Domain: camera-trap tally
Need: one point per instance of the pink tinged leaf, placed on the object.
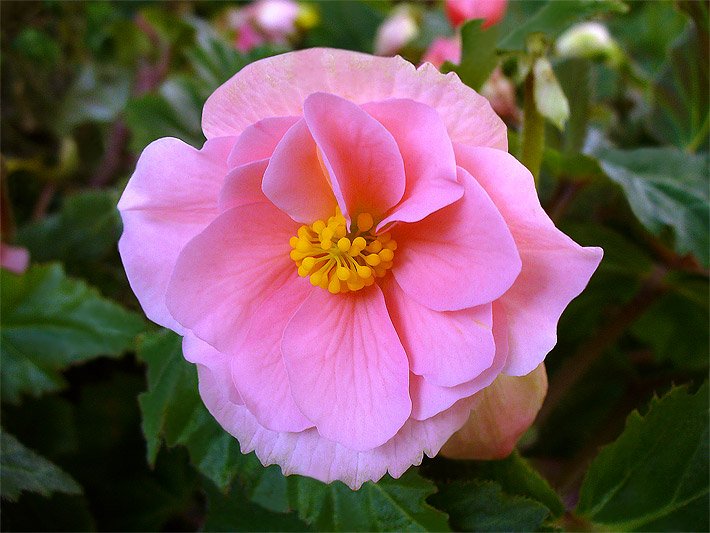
(505, 411)
(348, 371)
(429, 162)
(295, 180)
(555, 269)
(258, 369)
(361, 156)
(171, 197)
(459, 257)
(447, 348)
(223, 275)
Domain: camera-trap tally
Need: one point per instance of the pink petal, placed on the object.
(308, 453)
(258, 369)
(458, 257)
(491, 11)
(429, 162)
(555, 268)
(348, 371)
(447, 348)
(171, 197)
(504, 412)
(259, 140)
(277, 86)
(198, 351)
(242, 186)
(222, 275)
(295, 180)
(429, 399)
(16, 259)
(443, 49)
(363, 160)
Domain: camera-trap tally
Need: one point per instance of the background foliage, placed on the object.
(102, 426)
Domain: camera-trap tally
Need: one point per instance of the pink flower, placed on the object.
(351, 257)
(443, 49)
(491, 11)
(262, 22)
(396, 31)
(14, 258)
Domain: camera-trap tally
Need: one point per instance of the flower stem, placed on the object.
(533, 135)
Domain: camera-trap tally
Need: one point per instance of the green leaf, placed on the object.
(348, 24)
(555, 17)
(234, 512)
(173, 410)
(665, 188)
(654, 477)
(85, 230)
(49, 322)
(389, 505)
(482, 506)
(478, 54)
(21, 470)
(680, 115)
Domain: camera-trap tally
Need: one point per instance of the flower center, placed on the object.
(339, 261)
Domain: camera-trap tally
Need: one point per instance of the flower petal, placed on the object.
(170, 198)
(295, 181)
(348, 371)
(242, 186)
(198, 351)
(363, 160)
(429, 162)
(277, 86)
(447, 348)
(555, 268)
(308, 453)
(504, 412)
(259, 140)
(429, 399)
(459, 257)
(222, 275)
(258, 369)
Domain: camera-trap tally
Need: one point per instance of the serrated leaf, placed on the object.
(172, 410)
(654, 477)
(680, 115)
(665, 188)
(48, 322)
(475, 505)
(234, 512)
(554, 17)
(478, 54)
(389, 505)
(22, 470)
(86, 228)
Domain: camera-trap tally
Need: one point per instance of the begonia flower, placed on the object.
(491, 11)
(351, 258)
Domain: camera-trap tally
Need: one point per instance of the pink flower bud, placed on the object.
(14, 258)
(491, 11)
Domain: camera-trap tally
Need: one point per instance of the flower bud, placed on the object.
(442, 50)
(588, 40)
(491, 11)
(396, 31)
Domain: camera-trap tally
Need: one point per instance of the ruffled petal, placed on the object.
(348, 371)
(295, 181)
(429, 162)
(459, 257)
(361, 156)
(447, 348)
(223, 275)
(555, 269)
(242, 186)
(259, 140)
(504, 412)
(429, 399)
(309, 454)
(258, 369)
(198, 351)
(171, 197)
(277, 86)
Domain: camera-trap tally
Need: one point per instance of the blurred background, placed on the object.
(87, 85)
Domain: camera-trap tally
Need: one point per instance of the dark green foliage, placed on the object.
(478, 54)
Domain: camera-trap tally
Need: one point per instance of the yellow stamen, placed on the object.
(339, 260)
